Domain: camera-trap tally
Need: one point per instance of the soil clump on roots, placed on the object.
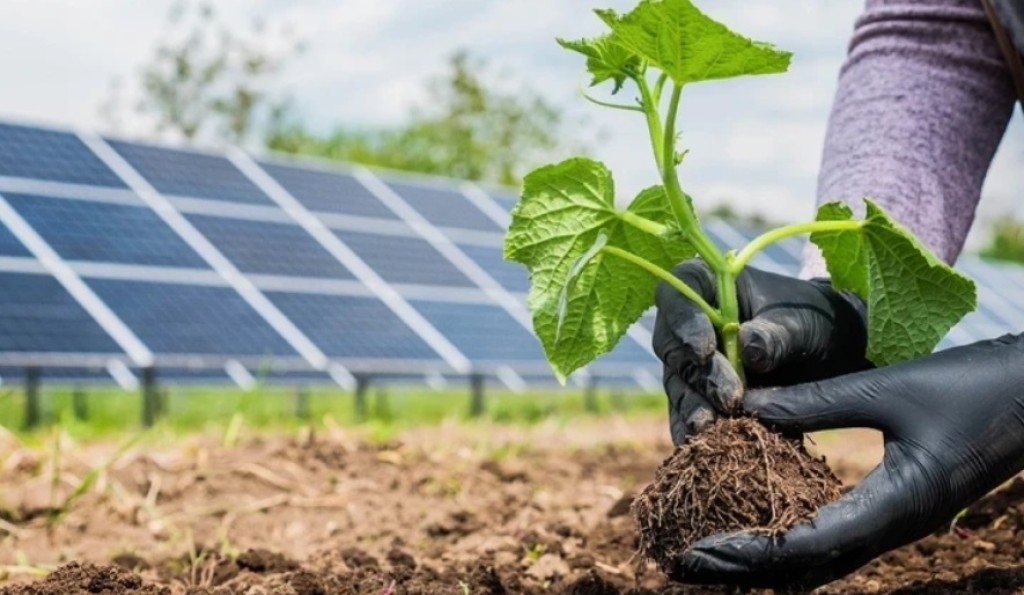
(735, 476)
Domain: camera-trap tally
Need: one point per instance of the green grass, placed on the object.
(112, 412)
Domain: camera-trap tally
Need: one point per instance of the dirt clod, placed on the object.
(80, 578)
(735, 476)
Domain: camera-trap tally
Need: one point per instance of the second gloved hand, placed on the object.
(792, 331)
(953, 424)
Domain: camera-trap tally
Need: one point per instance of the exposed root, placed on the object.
(735, 476)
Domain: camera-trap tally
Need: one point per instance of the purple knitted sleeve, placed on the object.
(924, 98)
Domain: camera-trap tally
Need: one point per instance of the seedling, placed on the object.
(594, 267)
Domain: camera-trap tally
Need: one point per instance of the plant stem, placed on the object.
(650, 107)
(667, 277)
(643, 223)
(730, 327)
(762, 241)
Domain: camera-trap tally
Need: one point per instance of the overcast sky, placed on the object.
(755, 142)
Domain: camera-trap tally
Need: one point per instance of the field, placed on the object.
(532, 498)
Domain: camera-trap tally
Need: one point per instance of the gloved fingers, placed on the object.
(722, 386)
(853, 401)
(683, 334)
(843, 536)
(689, 412)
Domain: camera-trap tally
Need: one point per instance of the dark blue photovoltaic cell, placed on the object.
(53, 156)
(38, 315)
(328, 191)
(188, 319)
(102, 232)
(197, 175)
(511, 275)
(352, 327)
(269, 248)
(10, 245)
(443, 207)
(404, 260)
(482, 332)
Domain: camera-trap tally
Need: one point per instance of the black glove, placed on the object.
(954, 429)
(793, 331)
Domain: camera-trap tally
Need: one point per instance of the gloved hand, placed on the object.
(792, 331)
(954, 429)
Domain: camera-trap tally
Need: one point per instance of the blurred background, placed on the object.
(355, 80)
(465, 90)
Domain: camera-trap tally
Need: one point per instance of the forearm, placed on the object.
(922, 102)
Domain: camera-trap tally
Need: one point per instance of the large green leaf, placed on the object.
(606, 59)
(689, 46)
(913, 298)
(566, 209)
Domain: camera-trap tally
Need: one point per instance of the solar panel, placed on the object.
(185, 173)
(512, 276)
(328, 192)
(444, 207)
(16, 374)
(103, 232)
(187, 319)
(352, 327)
(50, 155)
(404, 260)
(627, 351)
(505, 198)
(37, 315)
(177, 305)
(269, 248)
(483, 332)
(10, 245)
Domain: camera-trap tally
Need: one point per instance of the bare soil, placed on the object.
(735, 476)
(454, 509)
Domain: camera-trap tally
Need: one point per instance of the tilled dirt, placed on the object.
(478, 510)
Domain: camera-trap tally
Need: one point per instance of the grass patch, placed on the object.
(111, 411)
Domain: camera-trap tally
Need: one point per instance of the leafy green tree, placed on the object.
(204, 79)
(1007, 241)
(466, 129)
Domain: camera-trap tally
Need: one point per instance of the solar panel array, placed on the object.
(117, 255)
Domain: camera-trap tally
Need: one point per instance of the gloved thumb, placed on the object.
(783, 335)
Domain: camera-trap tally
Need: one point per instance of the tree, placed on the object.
(203, 79)
(1007, 241)
(466, 129)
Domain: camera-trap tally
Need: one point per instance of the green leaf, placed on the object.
(913, 298)
(606, 59)
(676, 37)
(564, 211)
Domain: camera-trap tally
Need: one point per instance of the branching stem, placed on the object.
(642, 223)
(667, 277)
(762, 241)
(621, 106)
